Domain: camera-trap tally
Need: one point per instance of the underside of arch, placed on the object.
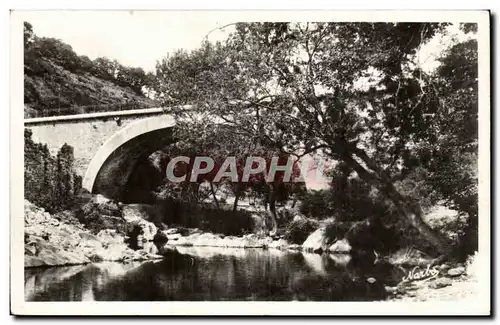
(111, 167)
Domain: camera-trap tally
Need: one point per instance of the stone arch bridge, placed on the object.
(107, 146)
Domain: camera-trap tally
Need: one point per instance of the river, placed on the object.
(203, 273)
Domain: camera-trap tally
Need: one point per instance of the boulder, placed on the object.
(340, 259)
(279, 244)
(231, 241)
(171, 231)
(318, 241)
(457, 271)
(183, 241)
(147, 229)
(33, 261)
(174, 236)
(101, 213)
(258, 224)
(439, 283)
(110, 236)
(85, 236)
(160, 237)
(207, 239)
(102, 205)
(298, 218)
(52, 258)
(295, 247)
(340, 246)
(297, 231)
(62, 243)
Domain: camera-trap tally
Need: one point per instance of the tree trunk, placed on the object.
(213, 195)
(272, 210)
(236, 197)
(412, 211)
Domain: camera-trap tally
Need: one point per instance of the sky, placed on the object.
(140, 38)
(133, 38)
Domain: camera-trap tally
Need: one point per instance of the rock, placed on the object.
(110, 236)
(89, 242)
(33, 261)
(317, 241)
(457, 271)
(390, 290)
(194, 231)
(298, 218)
(74, 257)
(279, 244)
(147, 229)
(295, 247)
(171, 231)
(340, 246)
(297, 231)
(29, 250)
(401, 289)
(252, 241)
(88, 237)
(444, 267)
(95, 258)
(258, 224)
(148, 212)
(165, 249)
(100, 205)
(62, 243)
(183, 241)
(231, 241)
(160, 237)
(174, 236)
(439, 283)
(207, 239)
(52, 258)
(115, 252)
(341, 259)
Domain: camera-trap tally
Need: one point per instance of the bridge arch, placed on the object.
(112, 165)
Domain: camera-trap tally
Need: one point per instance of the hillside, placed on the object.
(59, 82)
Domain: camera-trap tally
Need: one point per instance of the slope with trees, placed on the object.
(57, 81)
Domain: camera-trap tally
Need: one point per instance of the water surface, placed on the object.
(202, 273)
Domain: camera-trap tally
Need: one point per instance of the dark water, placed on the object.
(213, 274)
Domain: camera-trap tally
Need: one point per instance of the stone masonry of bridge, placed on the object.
(107, 145)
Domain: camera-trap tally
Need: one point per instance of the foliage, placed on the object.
(299, 229)
(355, 91)
(55, 76)
(49, 181)
(218, 143)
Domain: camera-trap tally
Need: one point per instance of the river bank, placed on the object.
(452, 282)
(52, 241)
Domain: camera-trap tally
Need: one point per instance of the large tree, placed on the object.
(353, 91)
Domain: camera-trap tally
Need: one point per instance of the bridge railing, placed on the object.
(61, 111)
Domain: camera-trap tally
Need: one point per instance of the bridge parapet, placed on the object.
(95, 116)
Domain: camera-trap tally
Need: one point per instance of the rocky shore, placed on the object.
(61, 240)
(53, 242)
(452, 283)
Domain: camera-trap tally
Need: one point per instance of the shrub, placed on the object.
(299, 229)
(49, 181)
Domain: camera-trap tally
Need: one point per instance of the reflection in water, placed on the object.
(202, 273)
